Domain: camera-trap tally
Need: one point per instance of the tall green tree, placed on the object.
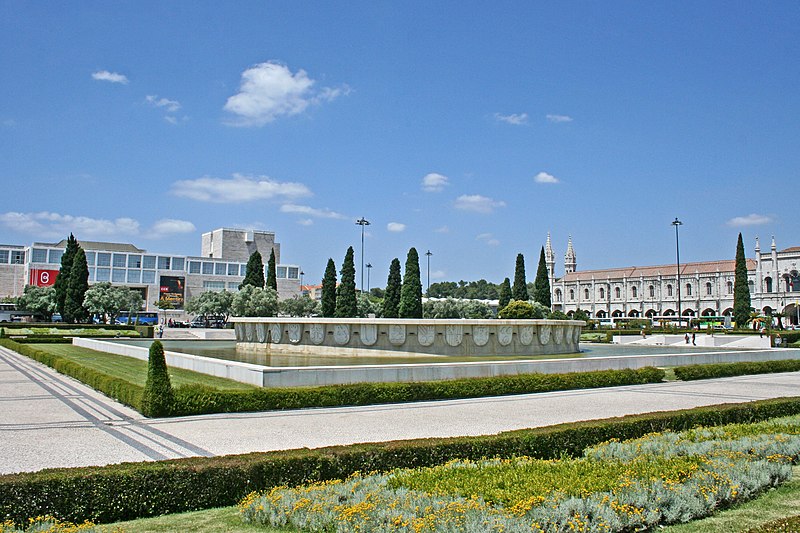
(346, 304)
(541, 285)
(519, 291)
(253, 301)
(108, 301)
(157, 397)
(329, 290)
(272, 275)
(411, 291)
(505, 294)
(62, 280)
(254, 271)
(74, 311)
(741, 291)
(391, 299)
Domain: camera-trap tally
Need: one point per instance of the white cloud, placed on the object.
(434, 182)
(113, 77)
(750, 220)
(170, 105)
(305, 222)
(45, 224)
(488, 238)
(270, 90)
(477, 203)
(170, 226)
(442, 229)
(517, 119)
(239, 189)
(544, 177)
(311, 211)
(395, 227)
(559, 118)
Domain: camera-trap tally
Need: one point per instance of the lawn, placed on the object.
(134, 370)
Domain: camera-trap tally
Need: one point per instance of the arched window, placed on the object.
(652, 292)
(669, 290)
(585, 294)
(558, 295)
(729, 286)
(768, 283)
(572, 294)
(602, 293)
(616, 292)
(708, 289)
(750, 286)
(633, 292)
(688, 289)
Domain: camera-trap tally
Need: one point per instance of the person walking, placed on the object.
(693, 344)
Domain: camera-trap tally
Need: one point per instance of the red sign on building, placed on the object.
(42, 277)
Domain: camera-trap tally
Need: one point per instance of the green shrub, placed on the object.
(157, 398)
(517, 310)
(721, 370)
(134, 490)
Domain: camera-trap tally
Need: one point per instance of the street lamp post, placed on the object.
(301, 282)
(369, 269)
(429, 254)
(362, 222)
(677, 223)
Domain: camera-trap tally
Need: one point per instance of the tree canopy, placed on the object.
(41, 301)
(391, 299)
(62, 279)
(272, 276)
(411, 290)
(519, 291)
(741, 290)
(254, 271)
(74, 311)
(346, 305)
(212, 303)
(107, 300)
(329, 290)
(541, 285)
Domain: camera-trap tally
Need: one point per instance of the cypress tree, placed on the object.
(411, 291)
(62, 280)
(391, 300)
(519, 292)
(76, 289)
(505, 294)
(329, 290)
(254, 271)
(272, 275)
(541, 285)
(157, 397)
(346, 304)
(741, 291)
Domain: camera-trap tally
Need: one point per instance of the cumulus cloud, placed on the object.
(395, 227)
(559, 118)
(544, 177)
(45, 224)
(170, 226)
(169, 105)
(270, 90)
(238, 189)
(477, 203)
(750, 220)
(113, 77)
(434, 182)
(310, 211)
(517, 119)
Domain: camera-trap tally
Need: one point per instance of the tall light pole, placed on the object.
(301, 282)
(369, 269)
(677, 223)
(429, 254)
(362, 222)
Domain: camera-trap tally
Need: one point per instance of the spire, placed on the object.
(758, 246)
(550, 258)
(773, 242)
(570, 263)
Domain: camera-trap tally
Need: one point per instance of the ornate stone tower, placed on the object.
(550, 260)
(570, 263)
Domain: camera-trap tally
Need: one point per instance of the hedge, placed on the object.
(197, 399)
(135, 490)
(722, 370)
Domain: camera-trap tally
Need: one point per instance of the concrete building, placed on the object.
(705, 288)
(221, 266)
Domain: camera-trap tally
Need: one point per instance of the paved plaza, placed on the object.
(50, 420)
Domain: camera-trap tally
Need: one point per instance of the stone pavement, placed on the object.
(50, 420)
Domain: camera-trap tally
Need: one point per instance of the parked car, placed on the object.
(207, 322)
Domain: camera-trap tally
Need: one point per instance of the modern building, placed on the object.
(220, 266)
(705, 288)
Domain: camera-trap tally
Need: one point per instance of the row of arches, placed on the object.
(790, 312)
(604, 294)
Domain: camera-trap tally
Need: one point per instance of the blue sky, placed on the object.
(469, 129)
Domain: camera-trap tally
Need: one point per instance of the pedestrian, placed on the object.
(693, 344)
(160, 330)
(686, 337)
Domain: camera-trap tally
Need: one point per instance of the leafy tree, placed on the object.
(516, 309)
(377, 292)
(519, 291)
(108, 300)
(272, 276)
(212, 303)
(741, 291)
(411, 290)
(329, 290)
(452, 308)
(62, 280)
(558, 315)
(391, 300)
(164, 304)
(369, 306)
(74, 311)
(41, 301)
(346, 306)
(157, 398)
(505, 293)
(254, 271)
(580, 314)
(541, 285)
(299, 306)
(255, 301)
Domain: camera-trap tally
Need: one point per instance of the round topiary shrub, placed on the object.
(516, 309)
(157, 399)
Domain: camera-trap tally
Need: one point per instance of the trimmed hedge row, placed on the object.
(722, 370)
(198, 399)
(134, 490)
